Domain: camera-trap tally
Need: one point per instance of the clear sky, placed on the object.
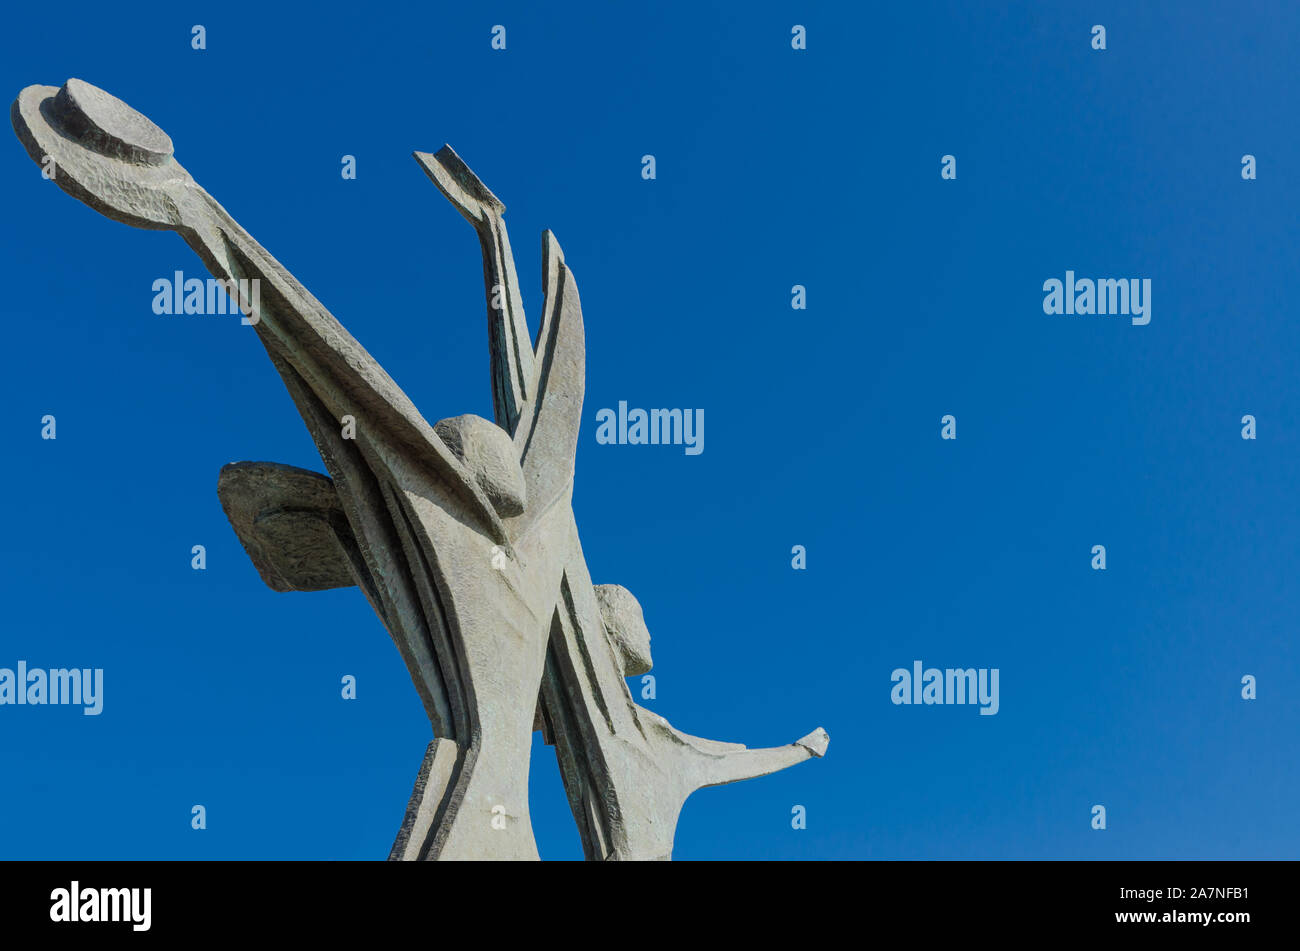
(774, 167)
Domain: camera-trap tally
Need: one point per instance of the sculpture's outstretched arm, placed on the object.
(115, 160)
(732, 766)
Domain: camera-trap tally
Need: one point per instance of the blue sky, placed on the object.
(774, 167)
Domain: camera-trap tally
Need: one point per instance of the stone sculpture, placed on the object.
(461, 535)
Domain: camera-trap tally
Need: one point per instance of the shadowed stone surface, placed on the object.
(290, 523)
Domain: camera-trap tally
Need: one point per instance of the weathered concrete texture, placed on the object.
(461, 535)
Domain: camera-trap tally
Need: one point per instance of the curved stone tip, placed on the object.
(815, 742)
(551, 252)
(462, 187)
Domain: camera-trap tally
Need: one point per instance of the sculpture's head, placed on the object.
(489, 453)
(626, 627)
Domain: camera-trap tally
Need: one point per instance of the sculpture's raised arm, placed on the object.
(511, 348)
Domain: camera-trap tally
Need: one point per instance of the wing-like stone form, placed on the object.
(290, 523)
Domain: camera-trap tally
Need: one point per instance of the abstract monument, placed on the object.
(461, 535)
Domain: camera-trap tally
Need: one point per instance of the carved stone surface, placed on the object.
(461, 534)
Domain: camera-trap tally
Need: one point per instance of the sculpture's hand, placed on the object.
(815, 742)
(707, 768)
